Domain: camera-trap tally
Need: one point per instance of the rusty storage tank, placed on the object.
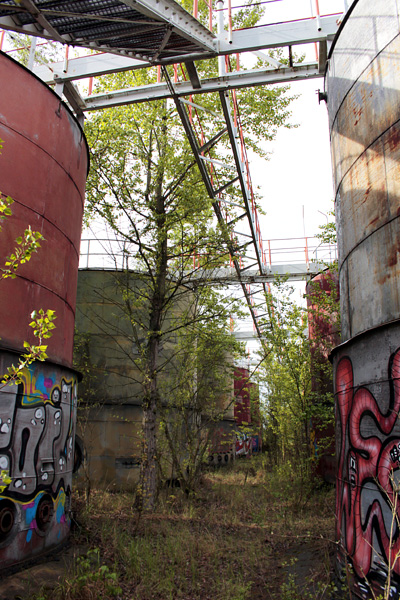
(111, 414)
(363, 96)
(43, 167)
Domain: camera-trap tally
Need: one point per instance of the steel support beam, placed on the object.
(240, 167)
(235, 80)
(166, 13)
(253, 39)
(233, 250)
(180, 21)
(294, 272)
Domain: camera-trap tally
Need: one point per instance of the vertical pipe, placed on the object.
(306, 253)
(90, 86)
(2, 39)
(220, 30)
(65, 66)
(87, 256)
(230, 21)
(158, 73)
(318, 15)
(32, 51)
(195, 8)
(210, 16)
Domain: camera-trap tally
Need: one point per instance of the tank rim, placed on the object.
(65, 105)
(45, 362)
(337, 34)
(359, 336)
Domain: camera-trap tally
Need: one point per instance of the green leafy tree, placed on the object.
(287, 375)
(145, 185)
(199, 390)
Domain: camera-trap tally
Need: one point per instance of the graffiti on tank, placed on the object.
(37, 428)
(244, 444)
(365, 468)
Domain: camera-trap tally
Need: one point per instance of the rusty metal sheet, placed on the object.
(363, 199)
(371, 26)
(369, 285)
(43, 167)
(370, 107)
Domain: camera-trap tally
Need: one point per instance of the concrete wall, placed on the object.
(110, 426)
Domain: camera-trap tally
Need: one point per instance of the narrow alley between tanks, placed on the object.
(247, 533)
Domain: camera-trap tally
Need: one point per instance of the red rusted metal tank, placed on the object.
(247, 413)
(242, 387)
(43, 167)
(363, 96)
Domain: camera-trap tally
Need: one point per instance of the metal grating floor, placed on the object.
(151, 30)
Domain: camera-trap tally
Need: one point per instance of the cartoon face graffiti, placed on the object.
(37, 432)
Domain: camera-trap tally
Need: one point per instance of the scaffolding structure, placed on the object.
(125, 35)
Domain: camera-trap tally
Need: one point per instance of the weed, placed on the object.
(91, 580)
(226, 543)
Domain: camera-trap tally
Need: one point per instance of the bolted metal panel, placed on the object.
(150, 29)
(37, 432)
(363, 87)
(365, 130)
(43, 167)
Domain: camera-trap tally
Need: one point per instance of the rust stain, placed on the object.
(393, 139)
(374, 221)
(393, 258)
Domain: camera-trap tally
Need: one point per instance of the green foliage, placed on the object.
(5, 203)
(298, 378)
(45, 52)
(42, 324)
(27, 244)
(287, 373)
(144, 184)
(328, 234)
(198, 391)
(91, 580)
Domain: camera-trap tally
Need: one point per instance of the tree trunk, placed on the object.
(147, 488)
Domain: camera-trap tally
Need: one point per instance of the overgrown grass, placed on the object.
(240, 537)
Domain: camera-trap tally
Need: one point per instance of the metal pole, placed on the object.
(65, 67)
(230, 21)
(221, 32)
(32, 51)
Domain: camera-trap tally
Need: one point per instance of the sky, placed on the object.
(297, 180)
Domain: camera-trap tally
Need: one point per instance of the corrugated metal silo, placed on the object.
(43, 167)
(363, 95)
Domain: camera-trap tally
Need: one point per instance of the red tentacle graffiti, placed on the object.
(365, 467)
